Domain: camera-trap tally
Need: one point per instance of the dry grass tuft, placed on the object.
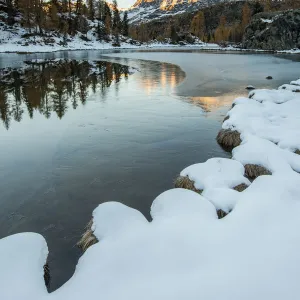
(185, 182)
(253, 171)
(229, 139)
(47, 277)
(241, 187)
(221, 214)
(226, 118)
(88, 238)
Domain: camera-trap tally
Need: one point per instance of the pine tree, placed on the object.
(257, 8)
(116, 23)
(101, 10)
(91, 9)
(125, 24)
(70, 7)
(209, 37)
(64, 6)
(246, 15)
(107, 19)
(100, 31)
(78, 6)
(222, 32)
(84, 10)
(10, 12)
(53, 15)
(39, 16)
(25, 7)
(198, 25)
(65, 28)
(174, 36)
(267, 5)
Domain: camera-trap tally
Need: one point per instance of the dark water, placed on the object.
(80, 131)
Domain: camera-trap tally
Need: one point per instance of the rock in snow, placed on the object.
(186, 252)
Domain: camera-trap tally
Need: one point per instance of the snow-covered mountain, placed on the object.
(146, 10)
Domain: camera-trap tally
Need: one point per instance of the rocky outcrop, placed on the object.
(273, 31)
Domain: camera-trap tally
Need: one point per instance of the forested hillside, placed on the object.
(48, 19)
(63, 22)
(224, 22)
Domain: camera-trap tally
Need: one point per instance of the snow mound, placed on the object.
(290, 87)
(22, 258)
(111, 218)
(266, 119)
(274, 96)
(187, 202)
(259, 151)
(296, 82)
(216, 172)
(186, 252)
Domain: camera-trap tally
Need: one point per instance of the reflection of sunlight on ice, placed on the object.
(167, 79)
(210, 104)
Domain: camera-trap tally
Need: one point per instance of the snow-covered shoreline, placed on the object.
(186, 251)
(79, 45)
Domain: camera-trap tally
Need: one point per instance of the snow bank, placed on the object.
(290, 87)
(258, 151)
(186, 252)
(273, 116)
(294, 86)
(216, 172)
(296, 82)
(22, 258)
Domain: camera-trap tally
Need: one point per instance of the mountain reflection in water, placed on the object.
(53, 86)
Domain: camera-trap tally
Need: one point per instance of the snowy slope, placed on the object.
(147, 10)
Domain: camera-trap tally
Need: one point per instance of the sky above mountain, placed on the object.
(125, 3)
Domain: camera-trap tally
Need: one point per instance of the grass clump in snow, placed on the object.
(240, 187)
(88, 238)
(229, 139)
(253, 171)
(226, 118)
(185, 182)
(221, 214)
(47, 276)
(297, 152)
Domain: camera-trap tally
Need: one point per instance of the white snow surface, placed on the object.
(22, 257)
(216, 177)
(259, 151)
(290, 87)
(186, 252)
(294, 86)
(295, 82)
(273, 116)
(216, 173)
(267, 20)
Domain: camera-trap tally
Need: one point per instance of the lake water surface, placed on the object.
(85, 128)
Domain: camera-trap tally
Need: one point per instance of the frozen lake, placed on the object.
(86, 129)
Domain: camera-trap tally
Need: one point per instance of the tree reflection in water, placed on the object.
(53, 86)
